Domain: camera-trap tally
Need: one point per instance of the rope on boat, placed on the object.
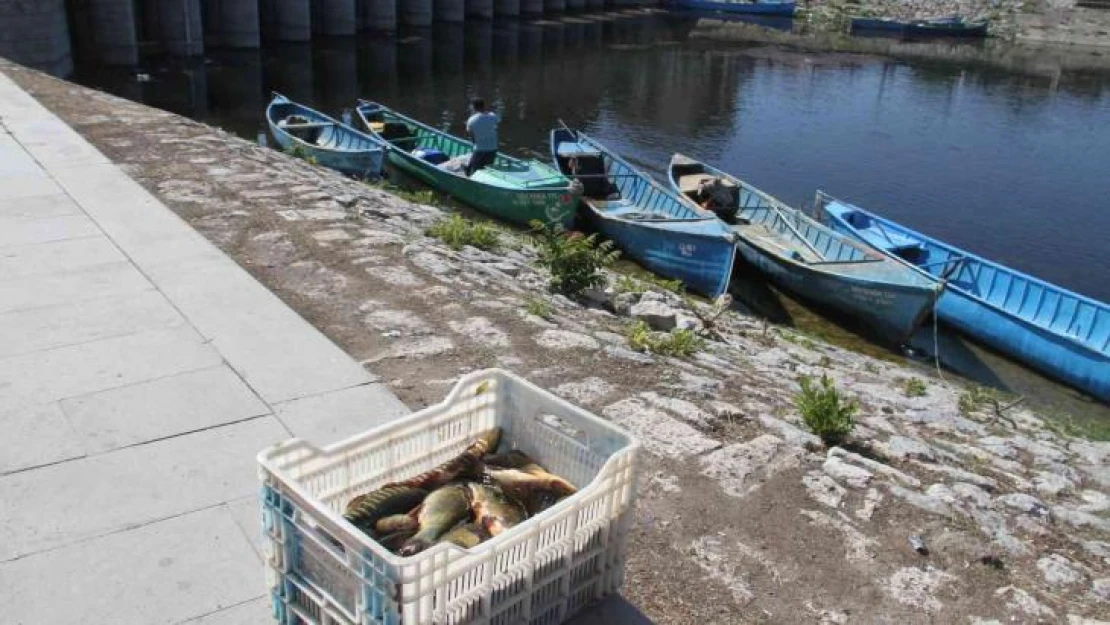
(936, 332)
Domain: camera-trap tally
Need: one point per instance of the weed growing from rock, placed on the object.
(975, 399)
(538, 307)
(826, 412)
(458, 232)
(297, 151)
(575, 262)
(914, 387)
(426, 197)
(677, 342)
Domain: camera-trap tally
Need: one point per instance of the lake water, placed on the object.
(1013, 166)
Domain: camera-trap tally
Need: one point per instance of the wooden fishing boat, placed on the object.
(940, 27)
(758, 7)
(1060, 333)
(650, 224)
(515, 190)
(806, 258)
(331, 143)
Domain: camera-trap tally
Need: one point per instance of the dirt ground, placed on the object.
(742, 517)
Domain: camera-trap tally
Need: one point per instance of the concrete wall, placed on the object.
(177, 25)
(377, 14)
(232, 23)
(36, 34)
(450, 10)
(415, 12)
(334, 17)
(287, 20)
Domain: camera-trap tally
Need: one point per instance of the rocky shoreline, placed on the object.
(939, 508)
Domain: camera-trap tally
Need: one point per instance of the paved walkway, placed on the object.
(141, 371)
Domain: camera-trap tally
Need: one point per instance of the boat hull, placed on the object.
(1056, 356)
(747, 8)
(520, 207)
(703, 263)
(893, 313)
(918, 29)
(364, 164)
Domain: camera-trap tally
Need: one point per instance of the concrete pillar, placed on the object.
(415, 12)
(334, 17)
(105, 30)
(377, 14)
(554, 6)
(506, 8)
(576, 5)
(232, 23)
(36, 34)
(177, 25)
(450, 10)
(479, 9)
(531, 7)
(290, 20)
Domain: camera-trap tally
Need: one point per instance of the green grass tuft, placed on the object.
(538, 307)
(458, 232)
(677, 342)
(914, 387)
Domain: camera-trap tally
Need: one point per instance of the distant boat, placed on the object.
(511, 189)
(939, 27)
(332, 143)
(1061, 333)
(759, 7)
(802, 256)
(649, 223)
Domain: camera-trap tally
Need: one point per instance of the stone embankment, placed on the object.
(939, 509)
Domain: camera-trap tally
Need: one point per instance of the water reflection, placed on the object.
(1006, 164)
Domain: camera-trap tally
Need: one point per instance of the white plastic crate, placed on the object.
(326, 571)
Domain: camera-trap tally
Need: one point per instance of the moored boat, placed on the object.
(1060, 333)
(331, 143)
(515, 190)
(758, 7)
(939, 27)
(649, 223)
(808, 259)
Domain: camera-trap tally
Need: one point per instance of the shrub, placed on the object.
(574, 261)
(677, 342)
(914, 387)
(825, 411)
(457, 232)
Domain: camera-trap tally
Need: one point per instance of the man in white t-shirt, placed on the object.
(482, 127)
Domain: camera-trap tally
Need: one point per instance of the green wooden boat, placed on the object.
(511, 189)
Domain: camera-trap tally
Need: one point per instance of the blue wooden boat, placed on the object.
(1063, 334)
(649, 223)
(806, 258)
(333, 144)
(758, 7)
(940, 27)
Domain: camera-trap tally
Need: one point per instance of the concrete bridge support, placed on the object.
(287, 20)
(334, 17)
(231, 23)
(531, 7)
(177, 25)
(105, 30)
(415, 12)
(479, 9)
(36, 34)
(576, 5)
(377, 14)
(554, 6)
(506, 8)
(450, 10)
